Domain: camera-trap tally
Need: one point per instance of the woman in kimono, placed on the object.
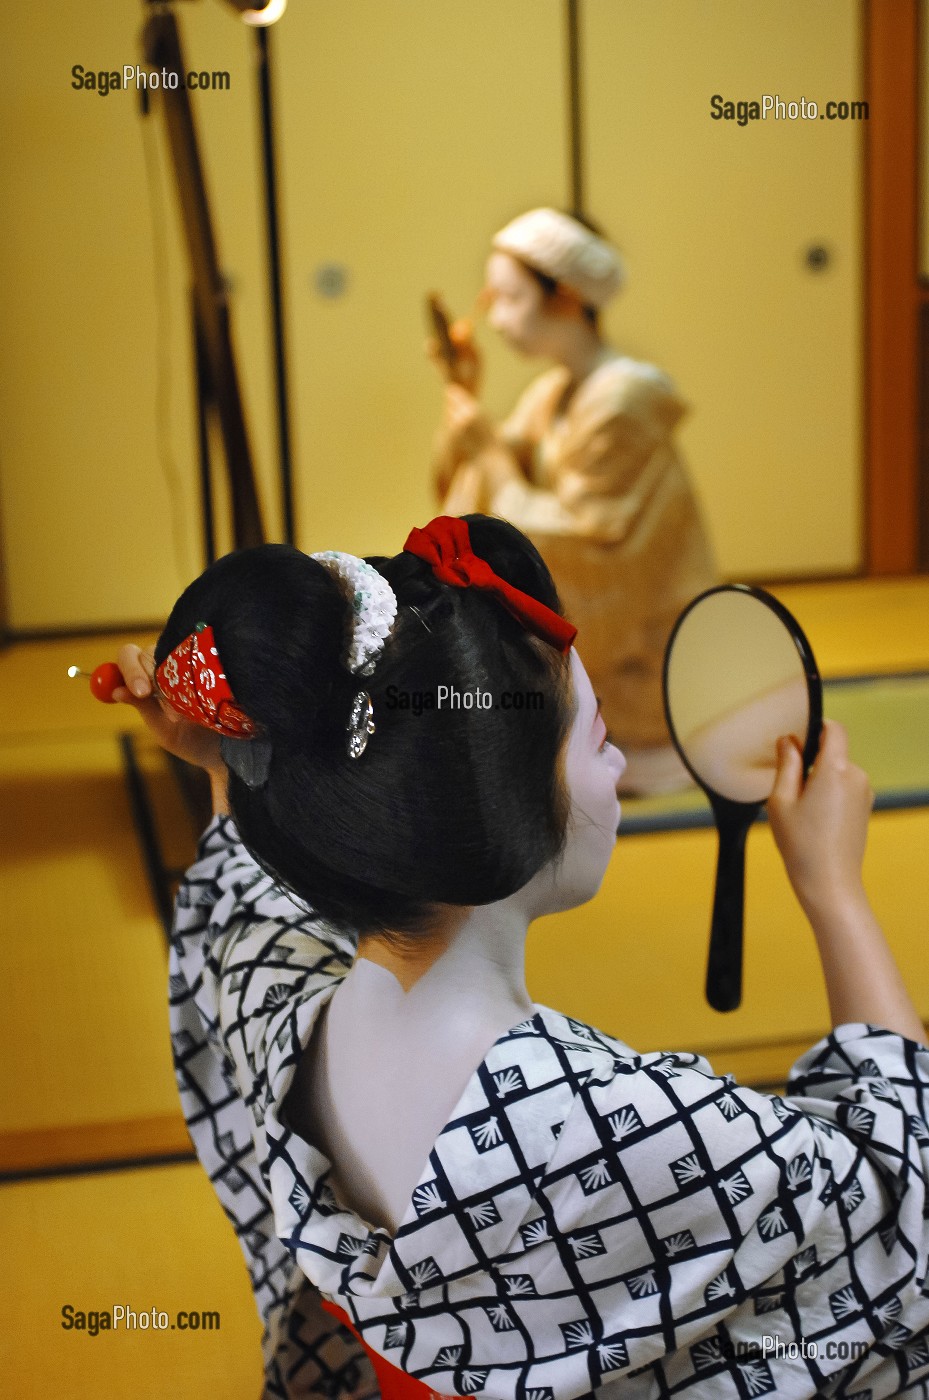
(587, 466)
(496, 1198)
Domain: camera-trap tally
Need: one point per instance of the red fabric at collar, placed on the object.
(394, 1383)
(445, 544)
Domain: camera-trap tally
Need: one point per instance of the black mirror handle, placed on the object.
(724, 964)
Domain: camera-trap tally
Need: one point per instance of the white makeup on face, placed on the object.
(517, 304)
(592, 768)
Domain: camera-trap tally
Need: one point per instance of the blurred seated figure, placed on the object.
(586, 465)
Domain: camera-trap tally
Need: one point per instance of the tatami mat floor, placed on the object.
(141, 1240)
(84, 1063)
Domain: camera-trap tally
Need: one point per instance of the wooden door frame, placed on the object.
(895, 477)
(4, 601)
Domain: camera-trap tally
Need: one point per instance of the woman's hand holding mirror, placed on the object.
(821, 825)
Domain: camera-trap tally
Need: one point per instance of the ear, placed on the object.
(564, 301)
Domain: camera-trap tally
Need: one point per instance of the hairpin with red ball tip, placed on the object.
(103, 681)
(191, 680)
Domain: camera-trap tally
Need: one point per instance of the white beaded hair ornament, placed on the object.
(374, 610)
(566, 250)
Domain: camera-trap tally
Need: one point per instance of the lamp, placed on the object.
(262, 15)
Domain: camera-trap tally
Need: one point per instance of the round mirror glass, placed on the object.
(739, 673)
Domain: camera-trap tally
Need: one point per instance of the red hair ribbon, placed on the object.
(193, 682)
(445, 543)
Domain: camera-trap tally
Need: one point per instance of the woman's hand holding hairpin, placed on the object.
(178, 736)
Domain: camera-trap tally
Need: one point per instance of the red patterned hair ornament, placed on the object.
(445, 544)
(193, 682)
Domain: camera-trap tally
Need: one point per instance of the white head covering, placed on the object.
(565, 249)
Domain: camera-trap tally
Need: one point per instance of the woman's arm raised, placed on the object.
(820, 827)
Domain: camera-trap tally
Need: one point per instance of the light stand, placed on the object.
(269, 168)
(216, 375)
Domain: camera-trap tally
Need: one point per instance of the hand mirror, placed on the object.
(738, 673)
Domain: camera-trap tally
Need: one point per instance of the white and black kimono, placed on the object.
(589, 1221)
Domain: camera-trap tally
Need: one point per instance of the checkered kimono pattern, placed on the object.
(306, 1353)
(590, 1220)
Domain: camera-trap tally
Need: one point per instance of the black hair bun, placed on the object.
(449, 804)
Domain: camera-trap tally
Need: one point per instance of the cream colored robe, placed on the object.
(598, 485)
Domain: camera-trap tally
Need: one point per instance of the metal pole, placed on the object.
(269, 168)
(575, 115)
